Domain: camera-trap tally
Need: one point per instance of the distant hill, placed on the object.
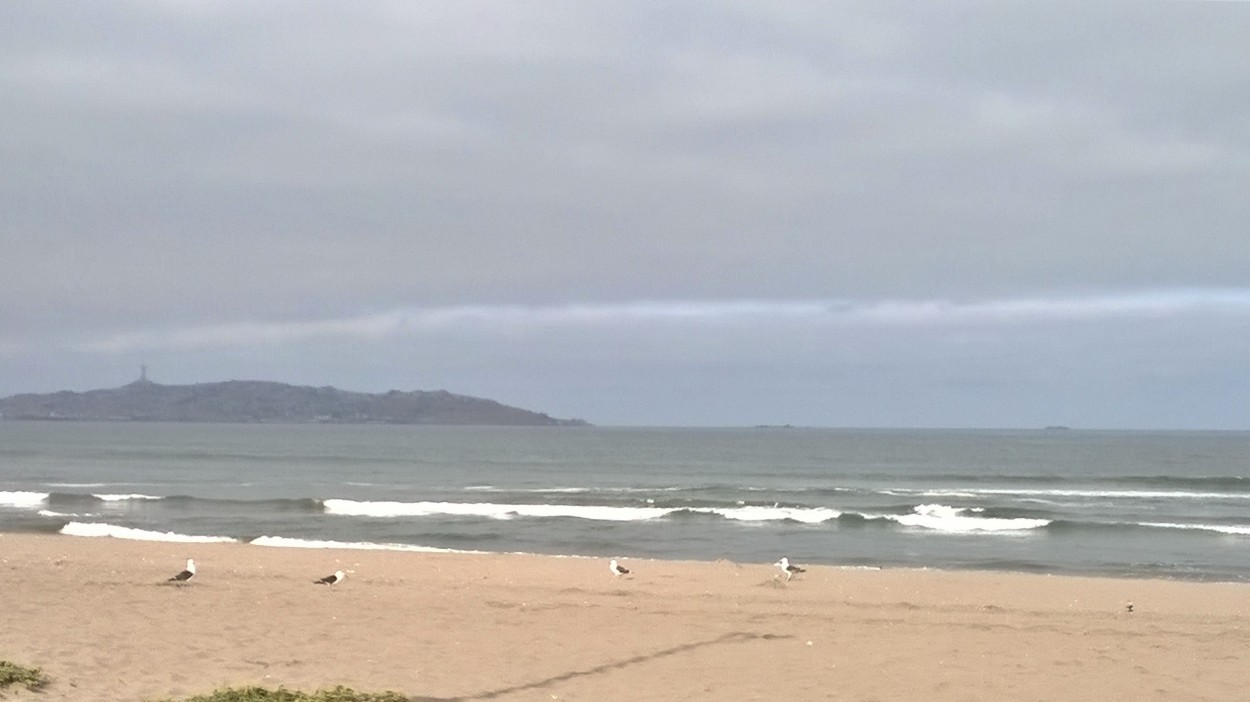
(260, 401)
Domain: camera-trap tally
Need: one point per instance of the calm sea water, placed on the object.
(1167, 504)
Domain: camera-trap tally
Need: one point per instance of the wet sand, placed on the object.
(98, 616)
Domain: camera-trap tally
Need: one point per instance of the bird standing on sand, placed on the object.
(332, 579)
(788, 568)
(186, 574)
(617, 569)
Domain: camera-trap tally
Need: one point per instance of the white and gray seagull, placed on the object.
(788, 568)
(617, 569)
(186, 574)
(332, 579)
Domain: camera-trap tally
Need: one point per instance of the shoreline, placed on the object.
(118, 533)
(1129, 507)
(99, 617)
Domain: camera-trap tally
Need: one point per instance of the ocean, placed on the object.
(1136, 504)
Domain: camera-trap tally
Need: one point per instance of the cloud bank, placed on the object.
(678, 212)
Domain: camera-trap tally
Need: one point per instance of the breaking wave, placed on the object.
(286, 542)
(489, 509)
(960, 520)
(1093, 493)
(121, 532)
(22, 499)
(1220, 528)
(805, 515)
(59, 515)
(494, 510)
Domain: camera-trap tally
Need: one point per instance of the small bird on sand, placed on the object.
(186, 574)
(332, 579)
(788, 568)
(1128, 607)
(617, 569)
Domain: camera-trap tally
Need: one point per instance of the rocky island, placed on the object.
(251, 401)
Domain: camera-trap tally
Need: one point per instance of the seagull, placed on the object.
(1128, 607)
(186, 574)
(617, 569)
(332, 579)
(788, 568)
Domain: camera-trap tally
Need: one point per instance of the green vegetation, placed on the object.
(33, 679)
(14, 674)
(262, 694)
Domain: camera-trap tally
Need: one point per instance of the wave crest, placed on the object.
(957, 520)
(806, 515)
(1220, 528)
(121, 532)
(746, 513)
(287, 542)
(355, 508)
(22, 498)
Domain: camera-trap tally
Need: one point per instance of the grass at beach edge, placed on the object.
(34, 680)
(13, 674)
(282, 694)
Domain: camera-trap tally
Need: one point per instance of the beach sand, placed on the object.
(98, 617)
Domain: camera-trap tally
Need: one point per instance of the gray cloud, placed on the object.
(743, 317)
(267, 189)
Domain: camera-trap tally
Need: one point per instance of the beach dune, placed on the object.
(98, 615)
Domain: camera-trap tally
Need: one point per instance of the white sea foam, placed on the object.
(62, 515)
(592, 512)
(123, 498)
(904, 492)
(956, 519)
(815, 515)
(1064, 492)
(22, 499)
(553, 490)
(120, 532)
(286, 542)
(570, 490)
(75, 485)
(490, 509)
(1221, 528)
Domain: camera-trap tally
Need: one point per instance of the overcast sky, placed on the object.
(674, 213)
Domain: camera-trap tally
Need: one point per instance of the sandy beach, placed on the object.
(99, 618)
